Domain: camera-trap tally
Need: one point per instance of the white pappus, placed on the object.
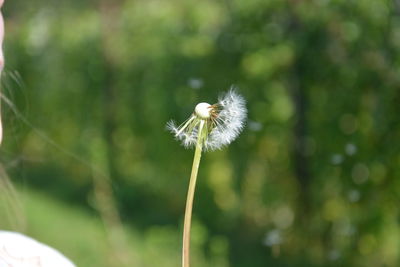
(213, 126)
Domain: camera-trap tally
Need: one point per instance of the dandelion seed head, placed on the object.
(223, 122)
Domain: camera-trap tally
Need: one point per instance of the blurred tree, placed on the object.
(312, 181)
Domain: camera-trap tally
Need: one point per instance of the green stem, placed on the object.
(189, 200)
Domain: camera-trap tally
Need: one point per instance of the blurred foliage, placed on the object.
(313, 180)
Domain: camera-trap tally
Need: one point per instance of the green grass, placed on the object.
(73, 231)
(81, 236)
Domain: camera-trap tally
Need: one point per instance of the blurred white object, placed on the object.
(18, 250)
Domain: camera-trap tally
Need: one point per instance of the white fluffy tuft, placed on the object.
(188, 139)
(229, 122)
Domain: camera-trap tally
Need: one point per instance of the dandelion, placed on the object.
(210, 127)
(215, 125)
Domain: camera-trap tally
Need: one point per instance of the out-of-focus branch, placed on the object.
(299, 98)
(109, 14)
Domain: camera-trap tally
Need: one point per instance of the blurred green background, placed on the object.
(312, 181)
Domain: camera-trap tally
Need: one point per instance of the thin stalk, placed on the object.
(189, 200)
